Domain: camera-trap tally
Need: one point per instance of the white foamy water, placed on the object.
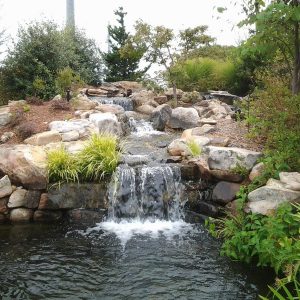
(143, 128)
(128, 229)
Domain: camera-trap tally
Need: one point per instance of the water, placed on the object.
(142, 128)
(125, 102)
(171, 260)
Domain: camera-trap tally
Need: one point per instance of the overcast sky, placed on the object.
(94, 15)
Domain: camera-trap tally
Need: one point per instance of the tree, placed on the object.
(159, 45)
(277, 26)
(121, 66)
(41, 51)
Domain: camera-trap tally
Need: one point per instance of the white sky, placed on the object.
(94, 15)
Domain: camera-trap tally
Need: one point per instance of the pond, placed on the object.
(121, 260)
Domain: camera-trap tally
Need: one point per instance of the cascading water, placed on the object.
(125, 102)
(142, 127)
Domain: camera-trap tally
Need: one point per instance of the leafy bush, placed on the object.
(194, 147)
(62, 166)
(203, 74)
(271, 241)
(99, 157)
(26, 130)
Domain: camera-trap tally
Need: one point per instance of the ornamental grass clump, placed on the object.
(194, 148)
(62, 166)
(99, 157)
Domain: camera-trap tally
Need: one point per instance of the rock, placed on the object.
(46, 216)
(71, 196)
(161, 99)
(5, 116)
(292, 180)
(73, 147)
(160, 116)
(145, 109)
(106, 123)
(6, 136)
(226, 176)
(5, 187)
(224, 96)
(142, 97)
(44, 138)
(83, 103)
(197, 131)
(222, 158)
(224, 192)
(21, 215)
(173, 159)
(85, 216)
(17, 199)
(3, 205)
(266, 199)
(25, 165)
(219, 141)
(184, 118)
(189, 172)
(134, 160)
(207, 209)
(178, 148)
(57, 98)
(203, 167)
(32, 199)
(256, 171)
(208, 121)
(70, 136)
(190, 97)
(110, 108)
(169, 93)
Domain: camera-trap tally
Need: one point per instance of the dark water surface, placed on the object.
(177, 261)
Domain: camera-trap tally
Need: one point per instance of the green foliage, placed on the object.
(62, 166)
(194, 147)
(241, 170)
(285, 291)
(66, 78)
(274, 116)
(270, 241)
(41, 51)
(121, 65)
(99, 157)
(203, 74)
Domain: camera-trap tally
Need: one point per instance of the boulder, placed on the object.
(160, 116)
(224, 96)
(265, 200)
(209, 121)
(145, 109)
(46, 216)
(226, 175)
(73, 147)
(142, 97)
(25, 165)
(5, 116)
(224, 192)
(21, 215)
(190, 97)
(111, 108)
(3, 205)
(106, 123)
(85, 216)
(197, 131)
(6, 136)
(169, 93)
(17, 199)
(203, 167)
(219, 141)
(184, 118)
(71, 196)
(70, 136)
(83, 103)
(57, 98)
(292, 180)
(44, 138)
(161, 99)
(5, 187)
(256, 171)
(223, 158)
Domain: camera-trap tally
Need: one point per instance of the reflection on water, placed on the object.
(122, 260)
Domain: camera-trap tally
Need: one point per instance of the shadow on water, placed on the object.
(55, 262)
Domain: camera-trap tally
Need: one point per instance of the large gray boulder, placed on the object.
(25, 165)
(5, 116)
(44, 138)
(224, 192)
(223, 158)
(106, 123)
(5, 187)
(21, 215)
(184, 118)
(292, 180)
(265, 200)
(160, 116)
(142, 97)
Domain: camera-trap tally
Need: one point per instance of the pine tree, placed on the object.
(121, 66)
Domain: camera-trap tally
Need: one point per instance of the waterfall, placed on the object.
(142, 127)
(146, 193)
(125, 102)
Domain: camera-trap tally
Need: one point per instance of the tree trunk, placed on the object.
(174, 93)
(296, 68)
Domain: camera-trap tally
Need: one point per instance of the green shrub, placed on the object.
(62, 166)
(270, 241)
(194, 148)
(99, 157)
